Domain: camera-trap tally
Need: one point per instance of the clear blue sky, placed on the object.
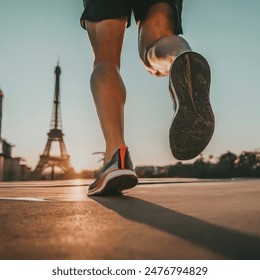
(34, 33)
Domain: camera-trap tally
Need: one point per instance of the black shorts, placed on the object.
(97, 10)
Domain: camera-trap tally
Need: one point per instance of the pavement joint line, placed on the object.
(141, 182)
(43, 186)
(25, 198)
(181, 182)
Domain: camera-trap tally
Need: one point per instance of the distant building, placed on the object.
(11, 169)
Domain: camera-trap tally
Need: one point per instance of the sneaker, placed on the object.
(116, 175)
(193, 122)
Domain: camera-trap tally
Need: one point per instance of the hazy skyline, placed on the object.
(33, 34)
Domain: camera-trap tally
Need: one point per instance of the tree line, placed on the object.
(228, 165)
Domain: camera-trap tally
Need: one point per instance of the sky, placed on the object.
(35, 34)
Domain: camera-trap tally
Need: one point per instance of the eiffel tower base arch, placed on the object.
(46, 162)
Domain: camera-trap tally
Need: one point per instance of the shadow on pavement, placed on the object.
(231, 244)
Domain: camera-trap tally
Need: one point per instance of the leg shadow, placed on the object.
(231, 244)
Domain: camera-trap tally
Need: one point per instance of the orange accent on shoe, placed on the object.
(122, 156)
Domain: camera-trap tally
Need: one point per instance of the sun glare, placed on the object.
(78, 164)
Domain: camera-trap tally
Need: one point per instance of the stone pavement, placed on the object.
(158, 219)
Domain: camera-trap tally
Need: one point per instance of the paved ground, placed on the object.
(163, 219)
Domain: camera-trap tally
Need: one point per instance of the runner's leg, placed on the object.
(107, 86)
(193, 123)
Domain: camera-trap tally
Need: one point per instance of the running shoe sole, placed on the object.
(193, 123)
(115, 182)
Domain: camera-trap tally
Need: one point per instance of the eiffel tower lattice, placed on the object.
(55, 135)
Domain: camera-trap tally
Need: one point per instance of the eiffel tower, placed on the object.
(55, 135)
